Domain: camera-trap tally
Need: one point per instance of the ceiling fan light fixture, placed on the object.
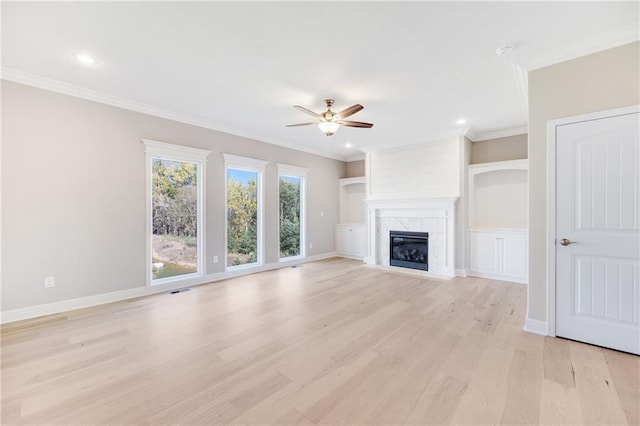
(328, 127)
(330, 121)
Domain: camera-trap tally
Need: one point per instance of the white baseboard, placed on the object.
(349, 256)
(536, 327)
(116, 296)
(500, 278)
(369, 260)
(461, 273)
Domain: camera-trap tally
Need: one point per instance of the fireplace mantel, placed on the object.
(433, 215)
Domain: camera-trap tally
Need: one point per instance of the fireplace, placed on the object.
(409, 249)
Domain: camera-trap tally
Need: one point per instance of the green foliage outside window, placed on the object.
(174, 198)
(242, 222)
(289, 217)
(174, 216)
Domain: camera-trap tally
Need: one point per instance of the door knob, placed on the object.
(566, 242)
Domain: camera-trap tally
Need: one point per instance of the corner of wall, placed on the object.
(536, 327)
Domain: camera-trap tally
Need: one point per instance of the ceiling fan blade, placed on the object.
(349, 111)
(355, 124)
(306, 111)
(301, 124)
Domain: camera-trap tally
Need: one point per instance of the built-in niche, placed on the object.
(352, 206)
(499, 199)
(351, 237)
(498, 220)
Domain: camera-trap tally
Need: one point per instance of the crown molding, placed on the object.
(33, 80)
(498, 134)
(614, 38)
(356, 157)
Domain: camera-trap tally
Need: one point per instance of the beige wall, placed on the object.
(499, 149)
(354, 169)
(73, 194)
(597, 82)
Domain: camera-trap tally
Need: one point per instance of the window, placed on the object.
(291, 195)
(244, 211)
(175, 229)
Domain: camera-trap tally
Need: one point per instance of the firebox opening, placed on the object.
(409, 249)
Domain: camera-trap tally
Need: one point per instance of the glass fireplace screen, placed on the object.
(409, 249)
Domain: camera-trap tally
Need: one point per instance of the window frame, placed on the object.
(180, 153)
(301, 173)
(237, 162)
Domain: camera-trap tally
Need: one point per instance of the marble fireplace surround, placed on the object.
(433, 215)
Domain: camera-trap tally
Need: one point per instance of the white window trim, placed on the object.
(301, 173)
(252, 165)
(294, 171)
(167, 151)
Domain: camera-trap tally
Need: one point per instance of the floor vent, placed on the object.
(182, 290)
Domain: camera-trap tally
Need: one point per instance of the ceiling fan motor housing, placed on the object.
(328, 115)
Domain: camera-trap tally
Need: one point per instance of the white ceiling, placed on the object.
(239, 67)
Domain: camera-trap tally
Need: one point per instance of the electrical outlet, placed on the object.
(321, 213)
(310, 245)
(49, 282)
(215, 259)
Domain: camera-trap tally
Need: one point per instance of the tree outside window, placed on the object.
(174, 214)
(242, 217)
(290, 226)
(292, 187)
(175, 188)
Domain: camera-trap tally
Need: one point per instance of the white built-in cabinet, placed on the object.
(351, 235)
(499, 254)
(498, 233)
(351, 240)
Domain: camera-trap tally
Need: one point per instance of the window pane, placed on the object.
(174, 218)
(242, 217)
(289, 216)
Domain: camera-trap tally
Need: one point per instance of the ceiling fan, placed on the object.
(330, 121)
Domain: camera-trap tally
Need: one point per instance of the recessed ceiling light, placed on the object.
(461, 121)
(504, 50)
(348, 145)
(85, 58)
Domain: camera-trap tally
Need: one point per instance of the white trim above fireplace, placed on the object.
(433, 215)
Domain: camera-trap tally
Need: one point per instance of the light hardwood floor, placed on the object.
(330, 342)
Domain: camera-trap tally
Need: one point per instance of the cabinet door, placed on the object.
(482, 253)
(342, 239)
(514, 256)
(351, 240)
(359, 241)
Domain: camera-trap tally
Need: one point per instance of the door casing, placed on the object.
(551, 200)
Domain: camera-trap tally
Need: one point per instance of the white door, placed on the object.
(597, 232)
